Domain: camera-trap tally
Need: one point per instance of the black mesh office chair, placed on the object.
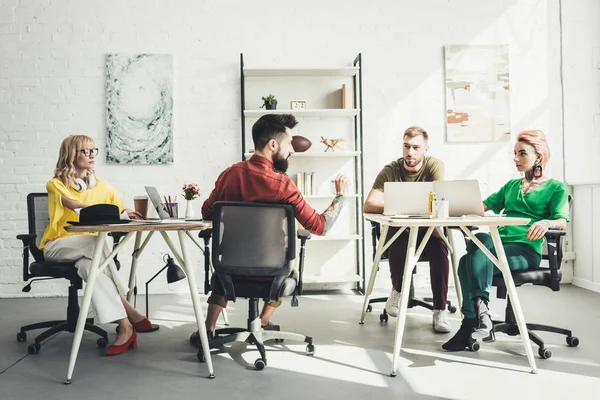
(426, 302)
(549, 277)
(39, 269)
(253, 253)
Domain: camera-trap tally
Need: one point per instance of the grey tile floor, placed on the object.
(352, 361)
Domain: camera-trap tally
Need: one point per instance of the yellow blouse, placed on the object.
(58, 214)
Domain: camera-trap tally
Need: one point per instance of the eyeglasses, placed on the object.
(89, 152)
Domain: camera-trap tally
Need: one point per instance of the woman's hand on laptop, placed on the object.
(133, 214)
(342, 185)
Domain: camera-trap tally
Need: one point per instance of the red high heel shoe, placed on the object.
(117, 349)
(144, 326)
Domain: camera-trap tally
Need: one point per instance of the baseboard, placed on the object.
(583, 283)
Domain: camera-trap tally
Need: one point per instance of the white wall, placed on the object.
(52, 85)
(581, 64)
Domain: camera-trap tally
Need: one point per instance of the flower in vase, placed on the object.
(190, 191)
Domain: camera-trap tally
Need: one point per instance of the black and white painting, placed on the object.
(139, 108)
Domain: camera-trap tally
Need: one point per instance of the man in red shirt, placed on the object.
(262, 178)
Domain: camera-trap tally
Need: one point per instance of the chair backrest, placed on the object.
(253, 239)
(38, 218)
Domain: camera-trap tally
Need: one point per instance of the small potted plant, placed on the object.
(190, 192)
(270, 102)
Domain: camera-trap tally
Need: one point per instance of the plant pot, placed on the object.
(189, 209)
(271, 106)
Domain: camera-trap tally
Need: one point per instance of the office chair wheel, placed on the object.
(310, 350)
(200, 356)
(383, 317)
(22, 336)
(452, 309)
(474, 346)
(101, 343)
(369, 308)
(572, 341)
(545, 353)
(260, 364)
(34, 348)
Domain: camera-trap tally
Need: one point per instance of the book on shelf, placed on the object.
(346, 97)
(306, 183)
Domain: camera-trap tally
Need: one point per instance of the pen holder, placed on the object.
(171, 209)
(440, 209)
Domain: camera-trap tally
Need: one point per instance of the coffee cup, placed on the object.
(140, 204)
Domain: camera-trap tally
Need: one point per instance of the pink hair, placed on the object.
(537, 140)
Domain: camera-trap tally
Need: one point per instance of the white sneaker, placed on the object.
(392, 305)
(440, 321)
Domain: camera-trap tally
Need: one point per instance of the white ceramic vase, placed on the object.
(189, 209)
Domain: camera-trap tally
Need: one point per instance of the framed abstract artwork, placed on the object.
(477, 93)
(139, 108)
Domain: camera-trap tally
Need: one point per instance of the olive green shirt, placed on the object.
(548, 201)
(431, 170)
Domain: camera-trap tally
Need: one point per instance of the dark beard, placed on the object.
(280, 164)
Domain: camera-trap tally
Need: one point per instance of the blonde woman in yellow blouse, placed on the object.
(75, 186)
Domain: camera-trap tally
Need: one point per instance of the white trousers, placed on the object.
(106, 300)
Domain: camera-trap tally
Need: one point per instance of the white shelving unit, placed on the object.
(324, 112)
(337, 259)
(269, 72)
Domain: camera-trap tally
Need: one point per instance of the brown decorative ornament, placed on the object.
(331, 143)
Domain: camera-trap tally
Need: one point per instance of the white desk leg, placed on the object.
(134, 262)
(409, 265)
(374, 270)
(514, 299)
(454, 260)
(191, 277)
(85, 304)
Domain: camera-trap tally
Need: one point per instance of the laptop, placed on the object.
(464, 196)
(406, 199)
(163, 214)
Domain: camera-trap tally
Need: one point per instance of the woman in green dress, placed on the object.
(535, 196)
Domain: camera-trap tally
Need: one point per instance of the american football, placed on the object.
(300, 144)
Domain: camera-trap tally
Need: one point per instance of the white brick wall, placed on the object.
(52, 84)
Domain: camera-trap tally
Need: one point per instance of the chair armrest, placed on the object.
(303, 235)
(555, 255)
(27, 240)
(205, 235)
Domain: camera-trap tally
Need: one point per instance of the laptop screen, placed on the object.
(157, 202)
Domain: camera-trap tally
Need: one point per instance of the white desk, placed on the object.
(98, 264)
(412, 256)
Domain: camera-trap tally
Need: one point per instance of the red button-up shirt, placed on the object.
(256, 180)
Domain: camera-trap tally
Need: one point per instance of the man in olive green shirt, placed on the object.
(414, 166)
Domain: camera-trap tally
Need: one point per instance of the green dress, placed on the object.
(476, 271)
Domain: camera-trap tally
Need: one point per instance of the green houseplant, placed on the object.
(270, 102)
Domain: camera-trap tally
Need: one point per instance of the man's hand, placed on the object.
(538, 230)
(133, 214)
(342, 185)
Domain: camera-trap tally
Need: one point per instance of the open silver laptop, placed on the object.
(158, 205)
(406, 199)
(464, 196)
